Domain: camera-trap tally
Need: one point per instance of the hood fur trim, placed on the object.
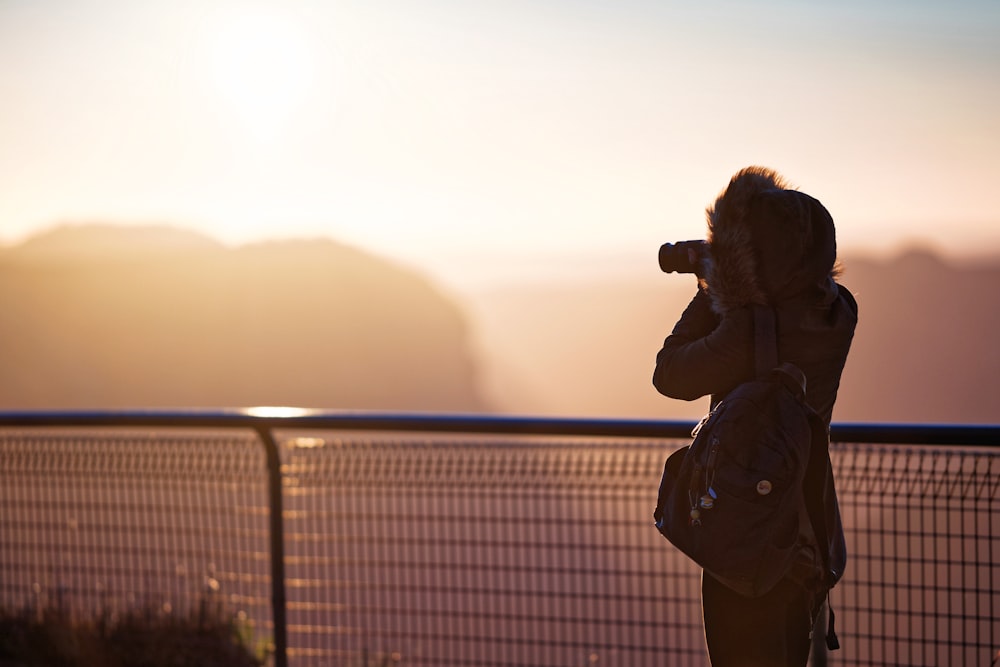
(731, 270)
(767, 243)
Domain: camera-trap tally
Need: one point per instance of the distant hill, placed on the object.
(111, 317)
(924, 350)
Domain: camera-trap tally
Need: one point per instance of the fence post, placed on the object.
(277, 535)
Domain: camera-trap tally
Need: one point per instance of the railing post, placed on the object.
(277, 535)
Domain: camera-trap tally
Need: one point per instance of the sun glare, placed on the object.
(276, 411)
(262, 71)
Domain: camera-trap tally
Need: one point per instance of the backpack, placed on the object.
(734, 499)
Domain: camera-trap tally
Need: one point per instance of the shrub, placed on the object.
(145, 637)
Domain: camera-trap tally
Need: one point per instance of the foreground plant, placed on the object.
(146, 637)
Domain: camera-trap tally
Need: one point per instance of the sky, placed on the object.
(497, 137)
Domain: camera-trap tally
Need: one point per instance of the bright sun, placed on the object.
(262, 70)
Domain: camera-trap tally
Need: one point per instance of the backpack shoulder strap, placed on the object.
(765, 340)
(815, 484)
(818, 475)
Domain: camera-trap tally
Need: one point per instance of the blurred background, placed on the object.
(453, 206)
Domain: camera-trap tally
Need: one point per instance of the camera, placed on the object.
(683, 256)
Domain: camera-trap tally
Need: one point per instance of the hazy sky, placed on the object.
(463, 135)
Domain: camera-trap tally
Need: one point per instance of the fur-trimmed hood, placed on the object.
(768, 243)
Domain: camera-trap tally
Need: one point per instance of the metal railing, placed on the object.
(361, 538)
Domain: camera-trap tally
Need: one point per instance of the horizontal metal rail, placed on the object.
(275, 418)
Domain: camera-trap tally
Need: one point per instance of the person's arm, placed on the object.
(705, 353)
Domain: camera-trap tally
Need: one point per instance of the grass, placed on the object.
(146, 637)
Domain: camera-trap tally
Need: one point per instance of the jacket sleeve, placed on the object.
(705, 353)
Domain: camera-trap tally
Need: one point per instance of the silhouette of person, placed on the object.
(767, 244)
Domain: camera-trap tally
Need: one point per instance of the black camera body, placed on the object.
(683, 256)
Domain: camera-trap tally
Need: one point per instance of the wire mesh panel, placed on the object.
(922, 586)
(100, 524)
(482, 551)
(467, 549)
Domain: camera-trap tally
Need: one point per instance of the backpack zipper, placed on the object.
(703, 497)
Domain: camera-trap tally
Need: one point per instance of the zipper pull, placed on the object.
(694, 431)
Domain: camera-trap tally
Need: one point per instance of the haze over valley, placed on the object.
(110, 317)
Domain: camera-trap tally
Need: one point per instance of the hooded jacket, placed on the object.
(768, 245)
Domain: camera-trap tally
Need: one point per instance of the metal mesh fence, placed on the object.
(923, 581)
(438, 551)
(100, 524)
(471, 549)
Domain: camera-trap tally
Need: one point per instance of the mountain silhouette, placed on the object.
(925, 350)
(114, 317)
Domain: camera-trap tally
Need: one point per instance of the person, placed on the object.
(772, 245)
